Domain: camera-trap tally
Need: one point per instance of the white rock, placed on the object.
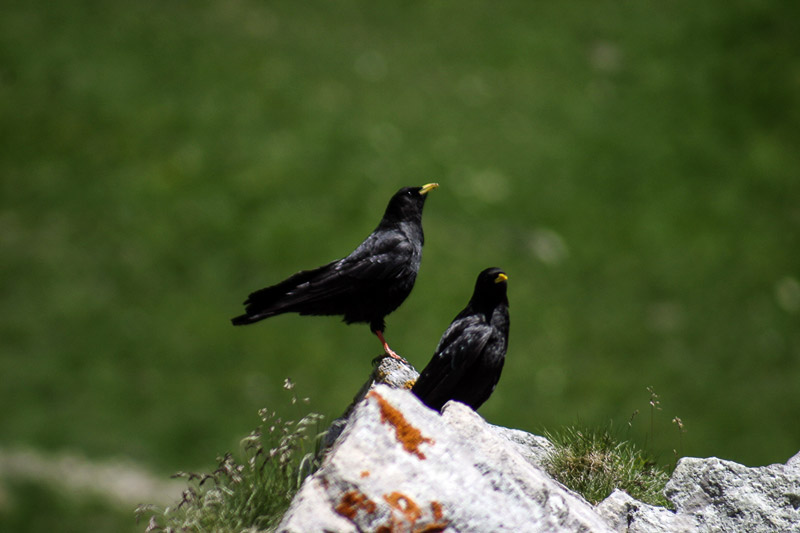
(628, 515)
(794, 462)
(393, 465)
(385, 370)
(402, 466)
(726, 496)
(311, 511)
(532, 447)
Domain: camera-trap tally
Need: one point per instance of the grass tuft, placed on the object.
(278, 456)
(593, 462)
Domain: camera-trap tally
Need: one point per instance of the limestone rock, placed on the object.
(532, 447)
(628, 515)
(393, 465)
(399, 466)
(385, 371)
(715, 495)
(726, 496)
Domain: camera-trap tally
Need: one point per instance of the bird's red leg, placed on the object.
(391, 353)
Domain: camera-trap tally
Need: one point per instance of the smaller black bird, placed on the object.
(366, 285)
(467, 364)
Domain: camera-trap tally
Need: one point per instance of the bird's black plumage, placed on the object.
(366, 285)
(467, 364)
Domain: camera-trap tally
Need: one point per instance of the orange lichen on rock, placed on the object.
(436, 507)
(354, 501)
(406, 514)
(438, 525)
(364, 473)
(405, 505)
(407, 435)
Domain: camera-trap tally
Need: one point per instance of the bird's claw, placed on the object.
(391, 353)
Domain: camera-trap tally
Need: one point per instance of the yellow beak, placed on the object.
(501, 278)
(425, 189)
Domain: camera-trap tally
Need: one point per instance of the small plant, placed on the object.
(594, 462)
(681, 430)
(655, 405)
(254, 494)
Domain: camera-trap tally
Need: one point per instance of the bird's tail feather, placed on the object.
(274, 300)
(243, 320)
(261, 304)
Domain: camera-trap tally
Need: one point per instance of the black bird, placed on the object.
(470, 355)
(366, 285)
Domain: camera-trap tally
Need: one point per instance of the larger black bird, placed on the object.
(467, 364)
(366, 285)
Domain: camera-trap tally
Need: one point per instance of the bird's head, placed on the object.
(407, 203)
(490, 288)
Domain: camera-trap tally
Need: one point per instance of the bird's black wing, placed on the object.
(460, 345)
(382, 256)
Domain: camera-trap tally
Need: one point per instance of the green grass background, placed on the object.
(633, 166)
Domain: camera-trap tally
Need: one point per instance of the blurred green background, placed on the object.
(633, 166)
